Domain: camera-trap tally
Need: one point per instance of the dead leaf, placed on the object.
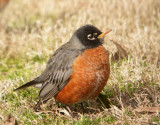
(9, 120)
(121, 52)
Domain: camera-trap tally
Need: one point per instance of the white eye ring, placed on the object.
(91, 37)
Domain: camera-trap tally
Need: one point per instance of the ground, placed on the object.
(31, 30)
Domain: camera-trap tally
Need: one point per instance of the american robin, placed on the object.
(77, 71)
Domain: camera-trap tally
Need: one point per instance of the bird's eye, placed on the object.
(95, 34)
(91, 37)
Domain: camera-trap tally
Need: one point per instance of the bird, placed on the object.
(77, 71)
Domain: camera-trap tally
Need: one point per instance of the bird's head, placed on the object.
(90, 36)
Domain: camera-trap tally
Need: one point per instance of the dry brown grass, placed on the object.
(29, 28)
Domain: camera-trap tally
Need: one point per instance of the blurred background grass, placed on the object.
(31, 30)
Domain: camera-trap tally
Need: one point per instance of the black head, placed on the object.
(88, 36)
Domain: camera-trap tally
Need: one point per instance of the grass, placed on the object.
(30, 31)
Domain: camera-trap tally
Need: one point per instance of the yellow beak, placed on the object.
(104, 33)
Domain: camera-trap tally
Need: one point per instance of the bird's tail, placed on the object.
(33, 82)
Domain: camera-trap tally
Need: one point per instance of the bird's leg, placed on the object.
(83, 107)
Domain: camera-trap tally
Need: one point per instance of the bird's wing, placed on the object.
(58, 72)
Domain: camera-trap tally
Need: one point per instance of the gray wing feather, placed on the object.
(58, 72)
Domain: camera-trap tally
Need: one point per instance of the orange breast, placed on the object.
(91, 72)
